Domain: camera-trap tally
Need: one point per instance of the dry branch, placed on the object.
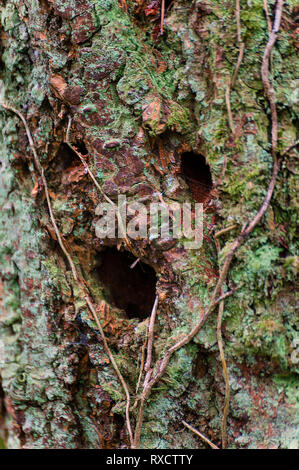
(148, 371)
(266, 10)
(225, 375)
(223, 361)
(289, 148)
(225, 230)
(228, 107)
(162, 16)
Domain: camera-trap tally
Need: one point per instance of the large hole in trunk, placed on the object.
(197, 174)
(131, 289)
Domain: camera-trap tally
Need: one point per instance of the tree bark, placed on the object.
(120, 102)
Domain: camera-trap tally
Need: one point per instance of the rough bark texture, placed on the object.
(138, 100)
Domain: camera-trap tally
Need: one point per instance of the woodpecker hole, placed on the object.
(197, 174)
(131, 289)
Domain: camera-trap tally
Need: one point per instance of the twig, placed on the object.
(238, 65)
(200, 435)
(185, 340)
(229, 111)
(73, 268)
(239, 38)
(119, 218)
(227, 294)
(225, 375)
(266, 10)
(57, 232)
(225, 230)
(31, 143)
(269, 24)
(268, 88)
(151, 335)
(223, 362)
(41, 173)
(149, 343)
(141, 367)
(231, 82)
(148, 371)
(134, 263)
(162, 16)
(241, 44)
(67, 141)
(114, 364)
(290, 147)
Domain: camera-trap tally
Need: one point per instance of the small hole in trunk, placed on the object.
(130, 289)
(68, 157)
(80, 147)
(197, 174)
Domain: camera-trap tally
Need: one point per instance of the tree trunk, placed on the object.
(120, 102)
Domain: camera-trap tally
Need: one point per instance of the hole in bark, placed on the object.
(130, 289)
(68, 157)
(81, 147)
(200, 366)
(197, 174)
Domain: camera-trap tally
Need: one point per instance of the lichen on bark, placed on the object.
(139, 100)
